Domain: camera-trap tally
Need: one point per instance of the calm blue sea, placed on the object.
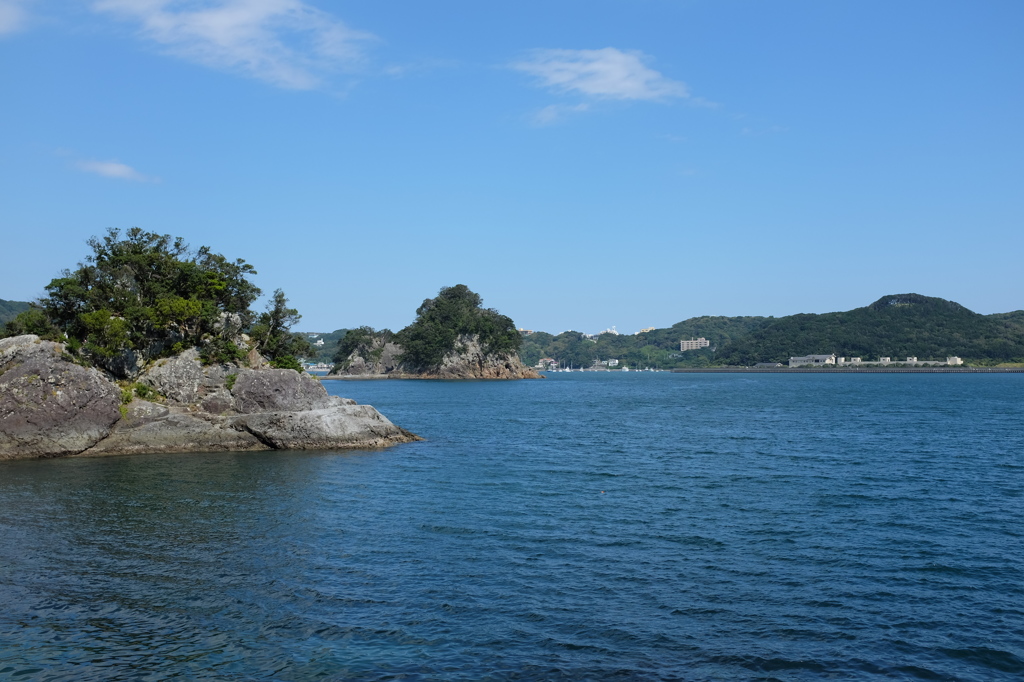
(638, 526)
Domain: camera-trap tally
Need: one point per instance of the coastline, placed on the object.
(412, 377)
(864, 370)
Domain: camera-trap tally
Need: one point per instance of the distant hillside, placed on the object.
(661, 346)
(10, 309)
(896, 326)
(657, 348)
(326, 352)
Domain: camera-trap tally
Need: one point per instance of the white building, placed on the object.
(814, 360)
(694, 344)
(954, 361)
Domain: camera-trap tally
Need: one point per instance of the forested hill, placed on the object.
(896, 326)
(657, 348)
(10, 309)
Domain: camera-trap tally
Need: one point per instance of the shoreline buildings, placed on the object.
(840, 361)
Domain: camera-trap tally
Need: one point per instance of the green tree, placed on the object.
(31, 321)
(360, 341)
(574, 349)
(146, 293)
(272, 335)
(441, 321)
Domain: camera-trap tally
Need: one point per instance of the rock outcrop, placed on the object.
(467, 360)
(50, 407)
(379, 357)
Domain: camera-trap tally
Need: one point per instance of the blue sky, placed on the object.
(578, 164)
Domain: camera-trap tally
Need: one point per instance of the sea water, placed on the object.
(585, 526)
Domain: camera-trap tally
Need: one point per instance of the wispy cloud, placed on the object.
(418, 66)
(608, 73)
(284, 42)
(554, 113)
(114, 169)
(13, 16)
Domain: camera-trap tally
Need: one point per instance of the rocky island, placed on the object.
(453, 337)
(150, 347)
(51, 407)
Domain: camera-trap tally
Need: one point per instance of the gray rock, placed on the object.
(380, 358)
(125, 365)
(229, 325)
(178, 378)
(263, 390)
(218, 402)
(469, 361)
(340, 425)
(254, 360)
(177, 432)
(139, 412)
(50, 407)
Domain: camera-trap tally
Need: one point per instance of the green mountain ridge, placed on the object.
(895, 326)
(10, 309)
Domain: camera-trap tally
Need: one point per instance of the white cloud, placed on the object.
(12, 16)
(556, 112)
(284, 42)
(608, 73)
(114, 169)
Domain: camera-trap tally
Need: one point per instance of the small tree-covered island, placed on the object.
(150, 346)
(453, 337)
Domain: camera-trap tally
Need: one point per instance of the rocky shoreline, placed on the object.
(52, 407)
(469, 360)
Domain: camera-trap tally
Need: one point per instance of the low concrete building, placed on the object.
(813, 360)
(954, 361)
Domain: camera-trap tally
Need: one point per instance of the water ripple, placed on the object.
(651, 527)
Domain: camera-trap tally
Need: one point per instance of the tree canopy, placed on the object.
(440, 321)
(152, 295)
(272, 337)
(361, 341)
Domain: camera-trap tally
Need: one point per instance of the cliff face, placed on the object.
(469, 361)
(380, 357)
(466, 361)
(50, 407)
